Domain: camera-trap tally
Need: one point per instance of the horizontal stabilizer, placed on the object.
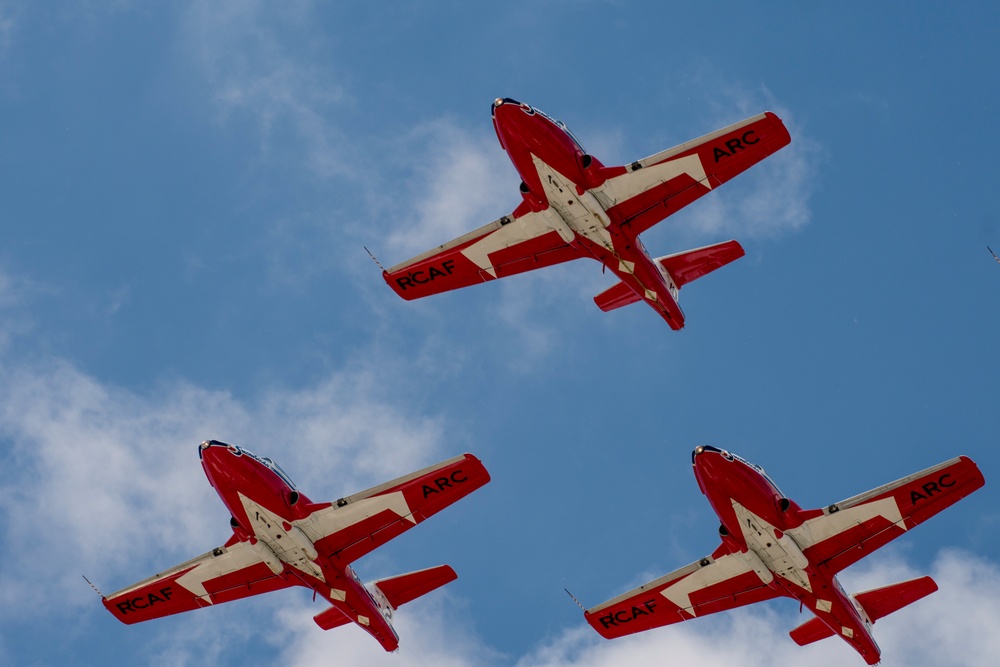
(616, 296)
(407, 587)
(880, 602)
(684, 267)
(811, 631)
(877, 603)
(331, 618)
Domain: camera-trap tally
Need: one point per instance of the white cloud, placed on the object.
(958, 625)
(14, 292)
(461, 181)
(106, 481)
(255, 71)
(431, 632)
(772, 197)
(7, 24)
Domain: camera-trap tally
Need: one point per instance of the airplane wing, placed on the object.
(221, 575)
(703, 587)
(660, 185)
(847, 531)
(504, 247)
(353, 526)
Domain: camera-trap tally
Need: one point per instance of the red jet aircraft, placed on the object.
(281, 539)
(773, 548)
(573, 206)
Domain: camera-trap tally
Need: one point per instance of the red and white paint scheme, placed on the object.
(773, 548)
(281, 539)
(573, 206)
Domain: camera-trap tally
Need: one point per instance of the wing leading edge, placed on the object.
(224, 574)
(353, 526)
(505, 247)
(704, 587)
(662, 184)
(851, 529)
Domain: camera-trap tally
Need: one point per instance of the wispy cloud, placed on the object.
(8, 21)
(958, 625)
(15, 292)
(104, 479)
(772, 197)
(461, 181)
(257, 66)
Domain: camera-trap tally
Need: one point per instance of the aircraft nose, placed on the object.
(204, 446)
(212, 449)
(701, 449)
(510, 102)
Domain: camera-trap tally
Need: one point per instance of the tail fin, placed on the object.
(876, 603)
(405, 588)
(681, 267)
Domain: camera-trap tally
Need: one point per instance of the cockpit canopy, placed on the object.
(531, 111)
(562, 126)
(729, 456)
(236, 450)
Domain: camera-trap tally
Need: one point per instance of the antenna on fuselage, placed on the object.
(92, 586)
(373, 258)
(572, 597)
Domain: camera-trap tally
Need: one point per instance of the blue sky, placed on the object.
(187, 189)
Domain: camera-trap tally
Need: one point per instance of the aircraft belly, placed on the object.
(582, 213)
(268, 528)
(778, 552)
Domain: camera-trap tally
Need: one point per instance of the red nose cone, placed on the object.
(511, 119)
(222, 463)
(712, 467)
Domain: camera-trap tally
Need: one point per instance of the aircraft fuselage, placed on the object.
(758, 525)
(557, 179)
(266, 508)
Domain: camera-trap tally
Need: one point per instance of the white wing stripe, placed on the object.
(723, 568)
(827, 526)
